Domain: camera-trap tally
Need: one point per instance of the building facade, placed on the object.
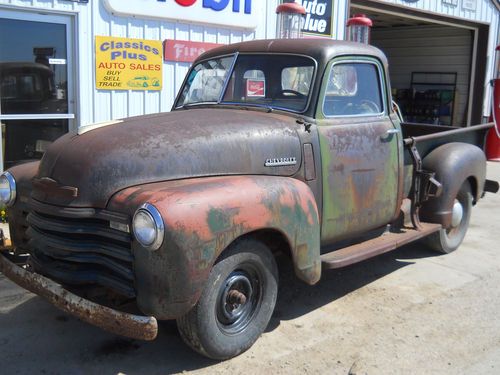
(61, 60)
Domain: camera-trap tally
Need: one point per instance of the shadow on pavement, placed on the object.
(36, 337)
(295, 298)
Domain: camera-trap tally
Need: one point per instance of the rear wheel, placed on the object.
(237, 303)
(449, 239)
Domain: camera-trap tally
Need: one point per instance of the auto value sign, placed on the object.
(233, 13)
(318, 18)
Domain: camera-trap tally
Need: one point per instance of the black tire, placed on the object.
(449, 239)
(237, 303)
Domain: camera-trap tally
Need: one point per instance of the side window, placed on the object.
(353, 89)
(296, 80)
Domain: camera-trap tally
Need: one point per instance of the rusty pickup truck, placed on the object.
(288, 147)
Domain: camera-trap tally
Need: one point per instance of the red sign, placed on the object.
(184, 50)
(256, 88)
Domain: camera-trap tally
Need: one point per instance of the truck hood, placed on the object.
(168, 146)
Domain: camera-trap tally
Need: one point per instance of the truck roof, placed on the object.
(322, 50)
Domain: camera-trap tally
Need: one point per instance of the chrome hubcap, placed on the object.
(457, 214)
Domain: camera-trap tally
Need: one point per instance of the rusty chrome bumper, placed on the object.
(117, 322)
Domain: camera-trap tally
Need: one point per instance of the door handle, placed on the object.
(392, 131)
(388, 136)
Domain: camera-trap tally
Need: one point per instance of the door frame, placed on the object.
(71, 62)
(342, 123)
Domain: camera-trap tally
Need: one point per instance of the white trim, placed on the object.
(87, 128)
(472, 79)
(404, 13)
(50, 116)
(68, 20)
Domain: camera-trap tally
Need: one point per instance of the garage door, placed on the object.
(429, 48)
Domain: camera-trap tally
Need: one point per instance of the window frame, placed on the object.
(356, 60)
(224, 87)
(249, 104)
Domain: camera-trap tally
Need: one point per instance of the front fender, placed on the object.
(453, 163)
(202, 217)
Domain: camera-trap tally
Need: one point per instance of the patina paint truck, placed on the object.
(272, 147)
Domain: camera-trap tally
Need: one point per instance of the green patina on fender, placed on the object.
(204, 216)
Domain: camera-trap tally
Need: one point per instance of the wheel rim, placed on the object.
(239, 298)
(457, 214)
(456, 231)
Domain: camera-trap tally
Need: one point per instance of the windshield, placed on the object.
(277, 81)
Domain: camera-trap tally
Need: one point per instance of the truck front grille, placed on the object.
(78, 247)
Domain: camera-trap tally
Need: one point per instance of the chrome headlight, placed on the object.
(148, 227)
(7, 189)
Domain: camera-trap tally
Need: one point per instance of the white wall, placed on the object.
(94, 19)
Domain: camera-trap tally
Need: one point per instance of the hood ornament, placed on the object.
(48, 186)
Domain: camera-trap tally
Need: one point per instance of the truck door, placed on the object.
(360, 150)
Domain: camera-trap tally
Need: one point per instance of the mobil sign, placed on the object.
(233, 13)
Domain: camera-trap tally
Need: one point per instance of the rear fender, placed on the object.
(453, 163)
(203, 217)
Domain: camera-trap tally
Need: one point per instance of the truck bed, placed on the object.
(428, 137)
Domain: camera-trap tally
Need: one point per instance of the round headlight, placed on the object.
(148, 227)
(7, 189)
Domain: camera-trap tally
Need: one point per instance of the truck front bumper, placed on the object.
(114, 321)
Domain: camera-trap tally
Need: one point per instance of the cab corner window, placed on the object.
(353, 89)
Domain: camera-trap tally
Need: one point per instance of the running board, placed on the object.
(379, 245)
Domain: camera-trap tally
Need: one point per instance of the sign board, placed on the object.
(184, 50)
(453, 3)
(128, 64)
(256, 88)
(318, 18)
(57, 61)
(469, 5)
(234, 13)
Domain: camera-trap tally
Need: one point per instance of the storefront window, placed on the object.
(33, 87)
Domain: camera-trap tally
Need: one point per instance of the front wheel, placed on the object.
(237, 303)
(449, 239)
